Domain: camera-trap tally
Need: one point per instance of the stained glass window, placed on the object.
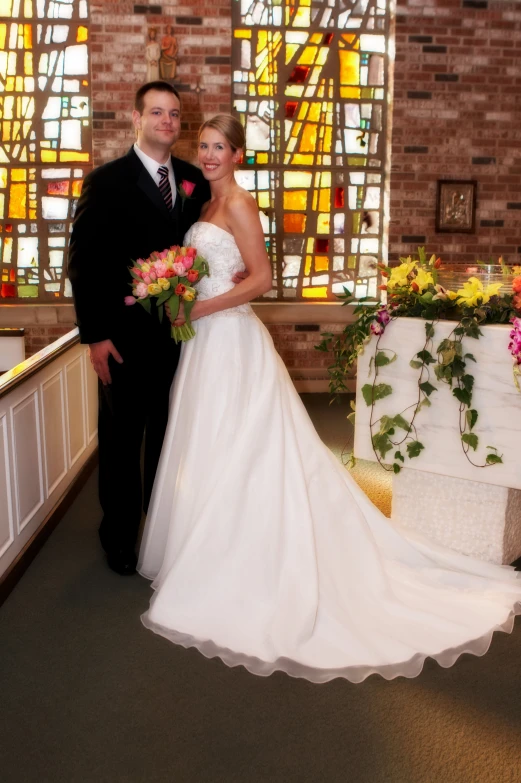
(310, 84)
(45, 147)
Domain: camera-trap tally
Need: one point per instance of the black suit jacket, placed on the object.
(120, 217)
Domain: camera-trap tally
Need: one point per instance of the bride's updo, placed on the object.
(230, 128)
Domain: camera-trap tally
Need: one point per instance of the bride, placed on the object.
(261, 547)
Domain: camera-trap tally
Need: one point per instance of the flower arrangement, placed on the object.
(413, 290)
(168, 277)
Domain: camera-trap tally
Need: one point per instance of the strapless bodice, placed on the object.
(220, 250)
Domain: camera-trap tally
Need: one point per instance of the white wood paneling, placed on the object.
(44, 421)
(6, 502)
(75, 409)
(28, 472)
(54, 441)
(92, 399)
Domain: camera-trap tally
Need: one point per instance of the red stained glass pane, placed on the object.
(8, 227)
(290, 108)
(339, 198)
(328, 38)
(321, 245)
(58, 188)
(12, 276)
(8, 291)
(299, 74)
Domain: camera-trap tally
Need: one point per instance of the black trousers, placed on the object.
(134, 406)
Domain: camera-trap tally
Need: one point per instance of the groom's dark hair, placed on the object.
(159, 86)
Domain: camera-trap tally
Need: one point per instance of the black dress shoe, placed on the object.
(122, 562)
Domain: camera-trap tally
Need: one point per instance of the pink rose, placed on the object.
(141, 290)
(129, 300)
(179, 268)
(188, 187)
(187, 262)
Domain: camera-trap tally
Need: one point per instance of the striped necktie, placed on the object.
(164, 186)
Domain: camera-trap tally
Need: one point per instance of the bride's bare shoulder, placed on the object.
(241, 202)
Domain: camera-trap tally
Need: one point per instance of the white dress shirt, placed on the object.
(152, 167)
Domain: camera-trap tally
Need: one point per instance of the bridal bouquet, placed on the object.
(168, 278)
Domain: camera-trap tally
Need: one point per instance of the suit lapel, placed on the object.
(145, 183)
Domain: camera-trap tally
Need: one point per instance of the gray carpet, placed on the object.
(89, 696)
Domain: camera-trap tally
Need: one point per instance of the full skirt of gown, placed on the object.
(262, 548)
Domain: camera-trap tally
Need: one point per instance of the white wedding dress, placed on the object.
(265, 552)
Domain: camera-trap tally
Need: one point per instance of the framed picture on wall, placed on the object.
(456, 206)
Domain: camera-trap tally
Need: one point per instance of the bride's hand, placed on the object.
(196, 312)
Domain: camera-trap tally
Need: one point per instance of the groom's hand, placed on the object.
(239, 277)
(99, 355)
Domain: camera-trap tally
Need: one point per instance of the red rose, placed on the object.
(192, 275)
(437, 263)
(180, 289)
(415, 287)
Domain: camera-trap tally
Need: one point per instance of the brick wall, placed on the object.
(457, 115)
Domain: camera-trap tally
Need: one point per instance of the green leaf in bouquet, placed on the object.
(145, 303)
(136, 276)
(160, 311)
(173, 304)
(164, 297)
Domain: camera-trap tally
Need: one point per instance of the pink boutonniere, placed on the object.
(185, 191)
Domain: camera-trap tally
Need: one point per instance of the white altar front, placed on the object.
(439, 493)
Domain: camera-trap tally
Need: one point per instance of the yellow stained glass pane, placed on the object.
(315, 293)
(264, 89)
(19, 175)
(28, 8)
(294, 90)
(307, 266)
(356, 222)
(316, 38)
(321, 264)
(325, 179)
(303, 160)
(242, 33)
(262, 157)
(291, 49)
(295, 199)
(264, 199)
(308, 141)
(310, 244)
(350, 92)
(2, 36)
(18, 201)
(328, 136)
(314, 112)
(322, 55)
(308, 56)
(76, 188)
(302, 18)
(323, 224)
(349, 67)
(294, 223)
(83, 34)
(5, 7)
(3, 178)
(296, 129)
(28, 36)
(67, 156)
(28, 63)
(324, 201)
(297, 179)
(2, 205)
(349, 37)
(6, 131)
(48, 156)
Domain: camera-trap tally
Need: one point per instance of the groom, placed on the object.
(129, 208)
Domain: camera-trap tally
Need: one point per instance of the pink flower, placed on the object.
(187, 262)
(163, 254)
(152, 275)
(141, 290)
(137, 271)
(191, 251)
(147, 279)
(129, 300)
(383, 316)
(188, 187)
(160, 268)
(376, 328)
(179, 268)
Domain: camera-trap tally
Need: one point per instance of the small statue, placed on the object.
(152, 56)
(168, 60)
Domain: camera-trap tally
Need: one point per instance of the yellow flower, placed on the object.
(164, 283)
(399, 274)
(154, 289)
(189, 295)
(145, 268)
(516, 270)
(473, 292)
(423, 280)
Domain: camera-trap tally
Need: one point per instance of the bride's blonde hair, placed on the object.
(230, 128)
